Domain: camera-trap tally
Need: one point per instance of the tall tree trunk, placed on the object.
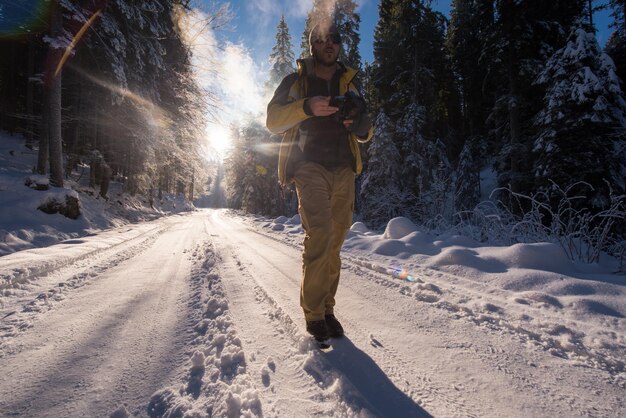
(73, 147)
(193, 184)
(7, 120)
(513, 105)
(54, 101)
(44, 135)
(515, 128)
(30, 93)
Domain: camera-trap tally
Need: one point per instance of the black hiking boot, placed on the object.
(319, 331)
(335, 330)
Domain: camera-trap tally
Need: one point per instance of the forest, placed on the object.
(517, 91)
(107, 84)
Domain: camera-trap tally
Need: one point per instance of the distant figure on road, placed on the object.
(323, 117)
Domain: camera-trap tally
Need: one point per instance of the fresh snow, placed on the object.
(197, 314)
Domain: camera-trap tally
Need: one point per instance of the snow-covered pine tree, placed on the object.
(616, 45)
(236, 169)
(415, 166)
(143, 27)
(282, 57)
(381, 194)
(436, 194)
(415, 88)
(251, 177)
(467, 180)
(582, 127)
(523, 36)
(186, 103)
(348, 22)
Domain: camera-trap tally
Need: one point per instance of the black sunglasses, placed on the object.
(333, 37)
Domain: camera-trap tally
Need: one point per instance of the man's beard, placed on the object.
(321, 58)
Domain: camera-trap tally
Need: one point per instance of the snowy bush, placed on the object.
(485, 223)
(583, 234)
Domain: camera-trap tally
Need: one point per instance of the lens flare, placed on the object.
(261, 169)
(75, 40)
(399, 273)
(23, 18)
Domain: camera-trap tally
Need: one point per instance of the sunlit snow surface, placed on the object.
(435, 324)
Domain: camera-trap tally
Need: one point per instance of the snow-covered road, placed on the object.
(116, 339)
(198, 314)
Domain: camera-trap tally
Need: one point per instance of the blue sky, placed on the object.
(254, 24)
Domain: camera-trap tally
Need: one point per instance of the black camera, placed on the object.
(350, 105)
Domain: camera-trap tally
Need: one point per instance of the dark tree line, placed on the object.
(105, 83)
(520, 86)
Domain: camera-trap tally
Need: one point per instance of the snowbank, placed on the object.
(24, 226)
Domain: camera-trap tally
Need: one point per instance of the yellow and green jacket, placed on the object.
(285, 112)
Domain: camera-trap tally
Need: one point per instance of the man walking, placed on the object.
(320, 153)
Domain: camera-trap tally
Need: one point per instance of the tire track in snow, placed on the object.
(61, 277)
(18, 273)
(493, 312)
(554, 338)
(357, 380)
(116, 340)
(515, 363)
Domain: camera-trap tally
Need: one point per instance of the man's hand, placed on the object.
(359, 126)
(319, 106)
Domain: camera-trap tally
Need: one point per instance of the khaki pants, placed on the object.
(325, 204)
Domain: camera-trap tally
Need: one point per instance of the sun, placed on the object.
(220, 139)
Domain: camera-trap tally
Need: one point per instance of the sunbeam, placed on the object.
(154, 113)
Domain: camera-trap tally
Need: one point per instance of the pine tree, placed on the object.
(616, 45)
(469, 24)
(381, 195)
(523, 36)
(282, 56)
(251, 179)
(581, 128)
(369, 94)
(412, 65)
(321, 10)
(415, 87)
(467, 180)
(415, 179)
(348, 22)
(236, 168)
